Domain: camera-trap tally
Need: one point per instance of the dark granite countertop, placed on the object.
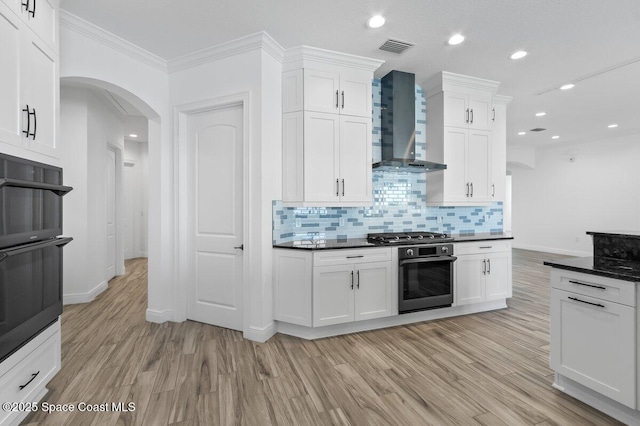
(617, 233)
(602, 266)
(348, 243)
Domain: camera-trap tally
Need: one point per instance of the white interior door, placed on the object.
(128, 221)
(111, 214)
(215, 157)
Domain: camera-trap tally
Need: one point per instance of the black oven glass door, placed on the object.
(30, 291)
(425, 282)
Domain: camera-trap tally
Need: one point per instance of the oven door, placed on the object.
(425, 283)
(30, 291)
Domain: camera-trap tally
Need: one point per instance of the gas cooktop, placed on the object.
(394, 238)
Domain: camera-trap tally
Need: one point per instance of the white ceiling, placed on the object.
(567, 41)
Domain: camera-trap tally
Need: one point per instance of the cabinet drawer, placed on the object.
(347, 257)
(480, 247)
(32, 373)
(619, 291)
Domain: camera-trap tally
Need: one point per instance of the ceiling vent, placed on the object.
(395, 46)
(537, 129)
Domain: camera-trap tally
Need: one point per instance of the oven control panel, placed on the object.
(425, 251)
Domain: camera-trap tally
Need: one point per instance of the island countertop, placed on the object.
(602, 266)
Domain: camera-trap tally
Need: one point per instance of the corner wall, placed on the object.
(575, 189)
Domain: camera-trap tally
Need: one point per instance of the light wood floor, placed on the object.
(483, 369)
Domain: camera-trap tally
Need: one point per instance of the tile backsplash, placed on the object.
(398, 201)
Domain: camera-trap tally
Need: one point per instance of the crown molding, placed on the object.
(92, 31)
(298, 57)
(502, 99)
(260, 40)
(444, 81)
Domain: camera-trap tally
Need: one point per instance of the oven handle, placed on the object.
(34, 246)
(18, 183)
(429, 259)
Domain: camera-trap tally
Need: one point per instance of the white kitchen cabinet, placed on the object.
(593, 339)
(459, 121)
(40, 16)
(327, 128)
(499, 147)
(292, 274)
(29, 78)
(482, 271)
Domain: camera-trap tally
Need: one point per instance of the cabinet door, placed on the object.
(455, 176)
(321, 91)
(373, 290)
(499, 154)
(456, 110)
(498, 278)
(355, 160)
(10, 77)
(594, 343)
(481, 115)
(355, 95)
(321, 156)
(43, 21)
(469, 279)
(479, 166)
(333, 294)
(293, 157)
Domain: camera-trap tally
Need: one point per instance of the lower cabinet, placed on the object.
(320, 288)
(593, 333)
(482, 272)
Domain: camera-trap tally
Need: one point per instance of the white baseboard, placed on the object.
(551, 250)
(260, 334)
(159, 317)
(311, 333)
(597, 401)
(75, 298)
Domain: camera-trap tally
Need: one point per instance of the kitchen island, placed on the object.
(594, 325)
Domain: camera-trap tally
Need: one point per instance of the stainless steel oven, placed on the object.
(425, 277)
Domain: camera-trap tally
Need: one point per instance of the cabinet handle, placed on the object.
(588, 303)
(33, 376)
(489, 266)
(355, 257)
(471, 115)
(358, 285)
(337, 188)
(35, 122)
(494, 114)
(343, 99)
(336, 99)
(351, 280)
(471, 189)
(343, 187)
(28, 131)
(26, 5)
(588, 285)
(33, 11)
(484, 267)
(467, 189)
(467, 119)
(485, 247)
(493, 189)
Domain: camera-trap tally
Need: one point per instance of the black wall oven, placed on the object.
(425, 278)
(30, 252)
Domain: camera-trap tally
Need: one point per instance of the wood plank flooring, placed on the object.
(484, 369)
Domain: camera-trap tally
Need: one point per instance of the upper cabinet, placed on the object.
(29, 76)
(499, 147)
(460, 121)
(327, 128)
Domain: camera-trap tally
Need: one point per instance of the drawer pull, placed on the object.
(588, 285)
(355, 257)
(33, 376)
(486, 247)
(588, 303)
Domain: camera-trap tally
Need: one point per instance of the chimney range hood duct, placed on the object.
(399, 126)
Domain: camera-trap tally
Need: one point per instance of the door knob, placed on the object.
(240, 247)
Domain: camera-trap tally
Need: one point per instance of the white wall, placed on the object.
(558, 201)
(88, 126)
(137, 153)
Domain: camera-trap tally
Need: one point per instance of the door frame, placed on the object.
(119, 228)
(182, 237)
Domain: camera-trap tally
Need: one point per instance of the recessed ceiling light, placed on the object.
(540, 114)
(133, 135)
(555, 137)
(522, 133)
(376, 21)
(518, 55)
(455, 39)
(611, 126)
(567, 86)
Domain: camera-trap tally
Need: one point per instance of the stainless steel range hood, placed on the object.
(399, 126)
